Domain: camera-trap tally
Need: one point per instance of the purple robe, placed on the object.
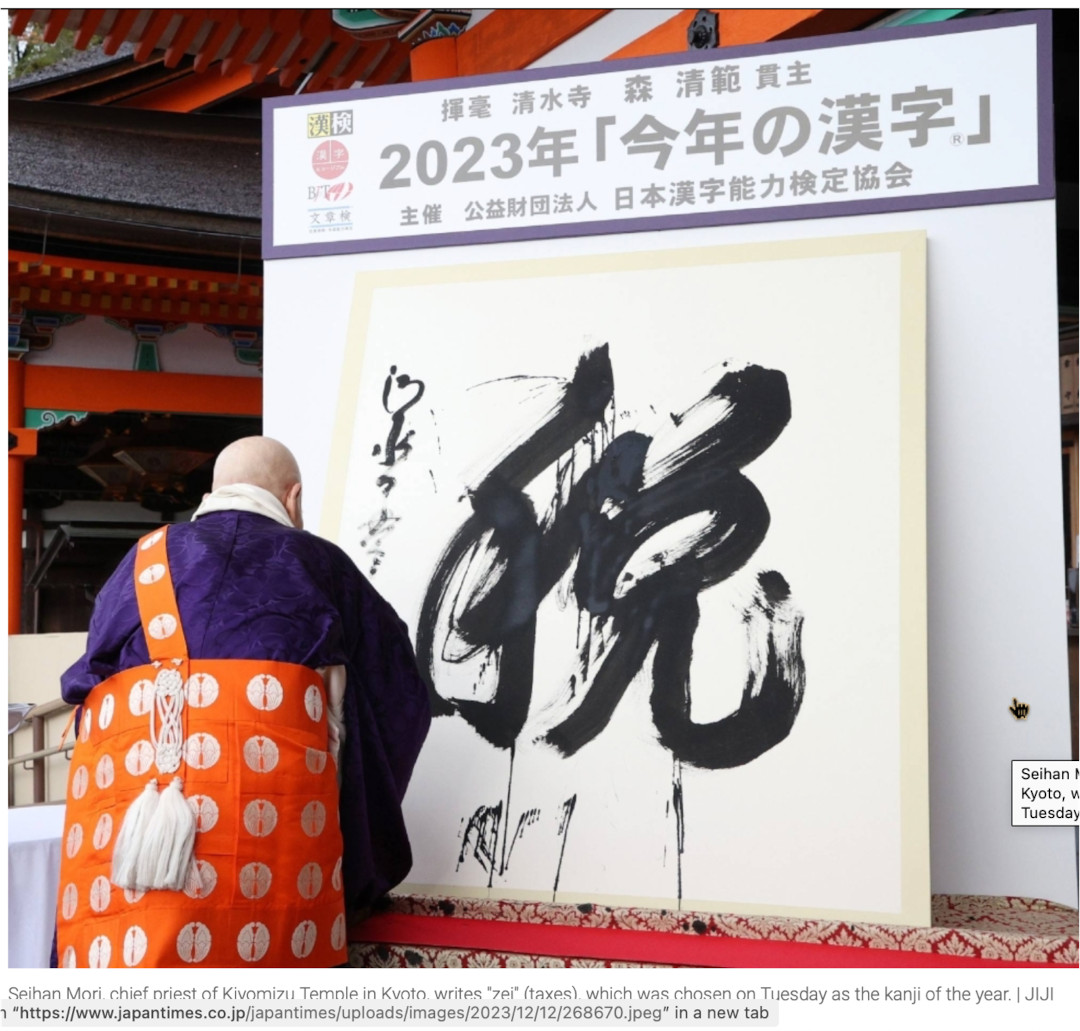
(250, 588)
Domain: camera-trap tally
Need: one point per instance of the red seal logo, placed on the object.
(330, 159)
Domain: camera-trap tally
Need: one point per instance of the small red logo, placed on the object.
(330, 159)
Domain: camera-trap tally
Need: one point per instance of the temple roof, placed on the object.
(72, 65)
(153, 181)
(202, 163)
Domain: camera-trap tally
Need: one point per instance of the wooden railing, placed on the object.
(36, 758)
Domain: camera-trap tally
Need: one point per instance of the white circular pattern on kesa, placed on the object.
(108, 707)
(151, 540)
(85, 723)
(103, 831)
(309, 880)
(105, 772)
(253, 941)
(134, 946)
(80, 781)
(206, 812)
(141, 697)
(313, 819)
(260, 754)
(139, 759)
(313, 702)
(337, 932)
(193, 942)
(260, 817)
(202, 690)
(316, 760)
(162, 626)
(265, 692)
(100, 952)
(207, 879)
(74, 840)
(69, 901)
(303, 939)
(100, 893)
(335, 877)
(201, 751)
(69, 958)
(151, 574)
(133, 895)
(255, 880)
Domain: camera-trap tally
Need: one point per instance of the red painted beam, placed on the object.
(208, 51)
(352, 70)
(19, 21)
(340, 50)
(507, 40)
(119, 29)
(299, 61)
(155, 29)
(16, 417)
(183, 36)
(390, 69)
(285, 26)
(743, 25)
(436, 59)
(191, 92)
(110, 390)
(26, 441)
(252, 26)
(833, 19)
(55, 24)
(91, 19)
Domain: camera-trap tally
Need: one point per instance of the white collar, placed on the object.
(244, 497)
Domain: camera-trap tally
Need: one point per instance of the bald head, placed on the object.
(262, 462)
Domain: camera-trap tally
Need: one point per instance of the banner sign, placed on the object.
(875, 121)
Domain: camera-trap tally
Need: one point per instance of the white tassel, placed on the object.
(132, 832)
(168, 843)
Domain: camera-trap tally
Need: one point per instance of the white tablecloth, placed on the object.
(34, 836)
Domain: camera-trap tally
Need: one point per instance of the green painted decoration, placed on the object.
(357, 19)
(46, 418)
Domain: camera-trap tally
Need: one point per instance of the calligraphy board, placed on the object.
(660, 543)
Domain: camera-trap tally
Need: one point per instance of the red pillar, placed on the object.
(435, 59)
(16, 419)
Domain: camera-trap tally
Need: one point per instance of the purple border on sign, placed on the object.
(1042, 190)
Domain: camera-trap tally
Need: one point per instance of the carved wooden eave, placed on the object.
(289, 46)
